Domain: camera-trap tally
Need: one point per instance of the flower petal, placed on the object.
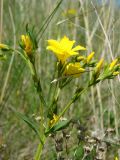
(53, 43)
(77, 48)
(63, 48)
(74, 69)
(66, 43)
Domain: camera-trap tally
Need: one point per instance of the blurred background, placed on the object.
(94, 24)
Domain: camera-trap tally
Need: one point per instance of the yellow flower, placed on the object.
(116, 158)
(74, 69)
(71, 11)
(54, 120)
(4, 46)
(27, 44)
(113, 63)
(90, 56)
(99, 65)
(63, 49)
(115, 73)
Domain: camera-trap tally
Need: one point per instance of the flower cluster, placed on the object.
(75, 64)
(64, 50)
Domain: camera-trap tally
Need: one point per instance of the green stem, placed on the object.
(37, 84)
(39, 150)
(75, 97)
(26, 60)
(42, 104)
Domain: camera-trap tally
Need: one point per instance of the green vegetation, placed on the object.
(58, 99)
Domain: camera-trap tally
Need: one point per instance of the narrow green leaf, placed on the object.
(26, 59)
(48, 20)
(79, 152)
(59, 126)
(29, 122)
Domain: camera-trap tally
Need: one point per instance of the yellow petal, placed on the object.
(54, 49)
(90, 56)
(115, 73)
(28, 46)
(73, 53)
(63, 48)
(99, 65)
(4, 46)
(71, 11)
(116, 158)
(54, 120)
(113, 63)
(74, 69)
(23, 38)
(53, 43)
(66, 44)
(77, 48)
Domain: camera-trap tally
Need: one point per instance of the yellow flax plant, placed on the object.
(68, 69)
(27, 49)
(29, 44)
(98, 74)
(72, 69)
(64, 50)
(71, 63)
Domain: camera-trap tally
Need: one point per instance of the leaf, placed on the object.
(59, 126)
(29, 122)
(79, 152)
(2, 57)
(26, 59)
